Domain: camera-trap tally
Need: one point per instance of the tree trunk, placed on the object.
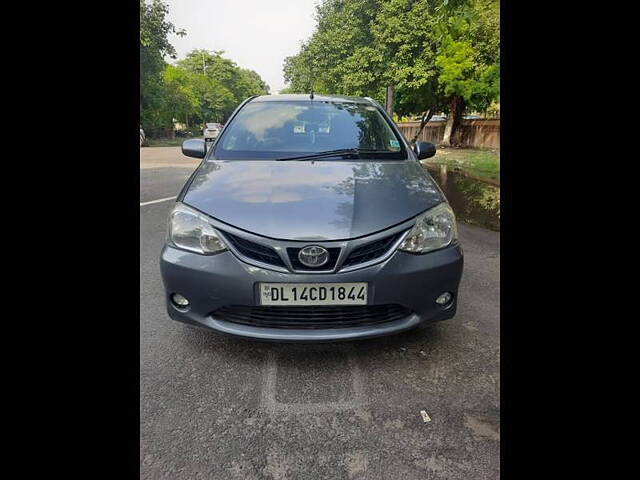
(389, 101)
(456, 109)
(426, 116)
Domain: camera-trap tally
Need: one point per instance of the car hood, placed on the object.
(304, 200)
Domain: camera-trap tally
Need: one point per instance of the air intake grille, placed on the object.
(370, 251)
(312, 317)
(255, 251)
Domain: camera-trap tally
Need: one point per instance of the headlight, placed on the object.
(434, 229)
(190, 230)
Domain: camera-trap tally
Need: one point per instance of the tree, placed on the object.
(181, 100)
(469, 61)
(435, 54)
(339, 57)
(202, 87)
(361, 47)
(251, 83)
(154, 46)
(218, 84)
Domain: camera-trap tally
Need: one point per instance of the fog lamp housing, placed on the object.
(179, 301)
(444, 299)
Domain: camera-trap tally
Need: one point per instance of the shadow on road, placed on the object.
(425, 337)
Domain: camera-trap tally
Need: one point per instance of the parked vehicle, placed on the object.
(212, 131)
(311, 219)
(142, 136)
(472, 117)
(434, 118)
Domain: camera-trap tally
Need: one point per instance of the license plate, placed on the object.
(313, 293)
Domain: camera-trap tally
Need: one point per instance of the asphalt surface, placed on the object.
(215, 407)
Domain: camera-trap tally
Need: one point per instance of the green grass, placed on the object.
(479, 163)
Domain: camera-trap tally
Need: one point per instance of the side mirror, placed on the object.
(424, 150)
(194, 147)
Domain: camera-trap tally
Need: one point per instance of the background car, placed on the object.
(212, 131)
(143, 137)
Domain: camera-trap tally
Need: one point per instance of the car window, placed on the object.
(267, 130)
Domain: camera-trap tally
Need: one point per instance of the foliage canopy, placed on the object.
(202, 87)
(430, 51)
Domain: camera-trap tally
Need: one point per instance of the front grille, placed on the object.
(334, 253)
(370, 251)
(253, 250)
(313, 317)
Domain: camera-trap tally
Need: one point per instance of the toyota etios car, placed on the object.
(310, 219)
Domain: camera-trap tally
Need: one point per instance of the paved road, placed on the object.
(214, 407)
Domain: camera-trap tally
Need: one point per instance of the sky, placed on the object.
(256, 34)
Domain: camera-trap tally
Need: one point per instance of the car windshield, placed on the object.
(276, 130)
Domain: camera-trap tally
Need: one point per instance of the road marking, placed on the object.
(271, 405)
(142, 204)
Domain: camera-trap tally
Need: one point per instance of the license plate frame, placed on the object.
(313, 294)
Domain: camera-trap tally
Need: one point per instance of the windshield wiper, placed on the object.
(329, 153)
(343, 152)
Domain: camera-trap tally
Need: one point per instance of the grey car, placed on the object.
(311, 219)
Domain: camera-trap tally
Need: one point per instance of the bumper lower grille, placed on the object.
(315, 317)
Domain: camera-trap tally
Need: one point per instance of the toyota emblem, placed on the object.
(313, 256)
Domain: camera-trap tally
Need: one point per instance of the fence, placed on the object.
(472, 133)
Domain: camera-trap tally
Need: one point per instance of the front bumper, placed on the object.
(211, 282)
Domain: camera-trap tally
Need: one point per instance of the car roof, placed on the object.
(301, 97)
